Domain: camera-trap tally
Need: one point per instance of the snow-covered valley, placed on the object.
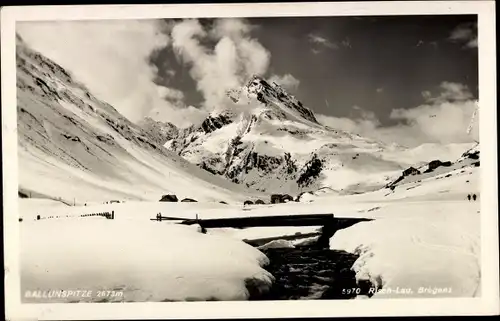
(416, 241)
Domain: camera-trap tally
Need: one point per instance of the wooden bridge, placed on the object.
(329, 223)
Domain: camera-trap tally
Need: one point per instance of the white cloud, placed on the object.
(170, 93)
(110, 58)
(466, 34)
(426, 94)
(443, 119)
(363, 114)
(319, 40)
(451, 92)
(346, 43)
(357, 125)
(233, 28)
(235, 57)
(288, 82)
(181, 117)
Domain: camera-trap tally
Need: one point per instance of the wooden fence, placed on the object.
(108, 215)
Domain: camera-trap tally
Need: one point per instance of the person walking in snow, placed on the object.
(474, 197)
(468, 197)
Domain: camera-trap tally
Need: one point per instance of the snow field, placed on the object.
(418, 248)
(146, 260)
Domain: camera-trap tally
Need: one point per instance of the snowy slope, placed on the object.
(78, 148)
(468, 158)
(418, 248)
(425, 239)
(142, 261)
(269, 141)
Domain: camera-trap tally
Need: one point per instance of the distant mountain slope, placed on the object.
(159, 132)
(270, 141)
(438, 168)
(74, 146)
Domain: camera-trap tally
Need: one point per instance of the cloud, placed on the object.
(449, 92)
(171, 72)
(181, 117)
(364, 127)
(111, 58)
(465, 34)
(363, 114)
(321, 41)
(229, 64)
(442, 119)
(288, 82)
(170, 93)
(315, 51)
(346, 43)
(426, 94)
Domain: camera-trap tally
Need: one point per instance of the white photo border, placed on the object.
(488, 303)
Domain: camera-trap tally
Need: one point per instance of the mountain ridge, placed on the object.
(75, 147)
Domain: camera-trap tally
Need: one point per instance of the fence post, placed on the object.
(112, 215)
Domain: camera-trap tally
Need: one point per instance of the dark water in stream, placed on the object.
(312, 273)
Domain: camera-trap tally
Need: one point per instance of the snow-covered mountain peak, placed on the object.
(266, 139)
(272, 99)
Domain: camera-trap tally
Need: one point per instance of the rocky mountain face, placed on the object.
(74, 145)
(159, 132)
(269, 141)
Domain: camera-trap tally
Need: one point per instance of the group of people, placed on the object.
(474, 197)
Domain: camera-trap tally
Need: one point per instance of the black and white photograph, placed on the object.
(250, 158)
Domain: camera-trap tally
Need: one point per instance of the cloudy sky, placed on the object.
(408, 79)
